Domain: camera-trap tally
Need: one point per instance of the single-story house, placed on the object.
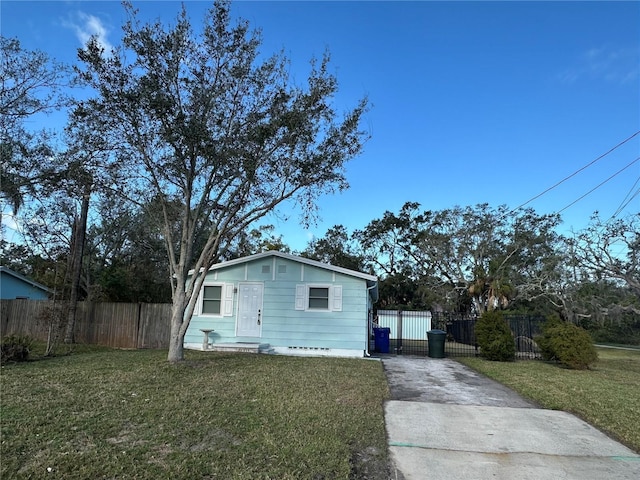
(14, 285)
(280, 303)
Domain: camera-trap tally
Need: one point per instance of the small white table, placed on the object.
(205, 340)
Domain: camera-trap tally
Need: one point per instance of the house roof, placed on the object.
(372, 280)
(21, 277)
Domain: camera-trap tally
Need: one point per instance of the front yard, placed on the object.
(130, 414)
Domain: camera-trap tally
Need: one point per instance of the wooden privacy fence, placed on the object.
(118, 325)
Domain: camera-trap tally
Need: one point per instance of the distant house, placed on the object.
(14, 285)
(280, 303)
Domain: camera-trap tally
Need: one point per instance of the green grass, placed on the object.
(607, 396)
(130, 414)
(620, 345)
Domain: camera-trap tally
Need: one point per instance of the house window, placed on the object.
(318, 298)
(326, 298)
(212, 300)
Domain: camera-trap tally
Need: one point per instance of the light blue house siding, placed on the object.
(14, 285)
(269, 299)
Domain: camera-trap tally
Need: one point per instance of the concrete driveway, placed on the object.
(446, 422)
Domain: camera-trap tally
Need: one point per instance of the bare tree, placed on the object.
(610, 251)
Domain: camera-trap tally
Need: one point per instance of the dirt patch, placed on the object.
(216, 439)
(370, 463)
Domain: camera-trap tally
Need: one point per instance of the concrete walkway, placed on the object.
(446, 422)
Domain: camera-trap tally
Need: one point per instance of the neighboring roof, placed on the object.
(19, 276)
(372, 280)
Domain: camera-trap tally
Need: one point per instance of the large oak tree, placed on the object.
(486, 255)
(217, 133)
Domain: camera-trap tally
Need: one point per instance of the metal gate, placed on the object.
(408, 332)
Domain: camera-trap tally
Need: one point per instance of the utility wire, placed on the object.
(629, 201)
(576, 172)
(599, 185)
(626, 202)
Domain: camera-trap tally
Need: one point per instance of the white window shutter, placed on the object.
(198, 310)
(227, 300)
(301, 296)
(337, 298)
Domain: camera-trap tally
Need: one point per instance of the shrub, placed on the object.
(544, 340)
(15, 348)
(494, 337)
(567, 344)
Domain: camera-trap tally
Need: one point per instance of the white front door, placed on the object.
(250, 310)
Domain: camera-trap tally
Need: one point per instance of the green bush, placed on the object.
(567, 344)
(544, 340)
(495, 338)
(15, 348)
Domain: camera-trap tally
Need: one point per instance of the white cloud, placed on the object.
(86, 26)
(10, 228)
(614, 65)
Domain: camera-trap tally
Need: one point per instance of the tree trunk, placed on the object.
(479, 304)
(176, 348)
(76, 263)
(176, 341)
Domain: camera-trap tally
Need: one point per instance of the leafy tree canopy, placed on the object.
(30, 84)
(216, 133)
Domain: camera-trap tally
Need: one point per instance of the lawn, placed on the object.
(130, 414)
(607, 396)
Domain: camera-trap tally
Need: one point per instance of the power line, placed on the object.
(599, 185)
(624, 202)
(629, 201)
(578, 171)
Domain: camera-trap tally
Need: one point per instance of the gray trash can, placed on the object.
(436, 340)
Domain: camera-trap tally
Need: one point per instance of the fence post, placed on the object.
(399, 340)
(138, 341)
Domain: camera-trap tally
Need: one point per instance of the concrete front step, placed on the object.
(239, 347)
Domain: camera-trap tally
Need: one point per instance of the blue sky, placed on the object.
(472, 102)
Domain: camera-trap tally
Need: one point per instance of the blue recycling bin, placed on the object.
(381, 335)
